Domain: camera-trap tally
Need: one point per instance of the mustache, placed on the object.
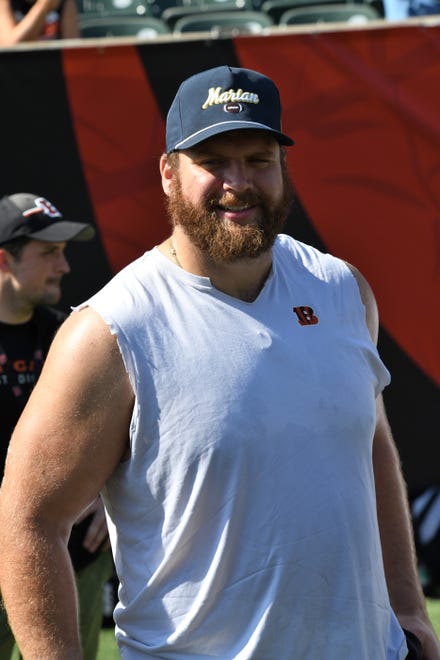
(232, 199)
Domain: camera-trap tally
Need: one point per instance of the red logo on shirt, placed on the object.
(306, 315)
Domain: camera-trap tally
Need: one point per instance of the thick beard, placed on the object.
(224, 242)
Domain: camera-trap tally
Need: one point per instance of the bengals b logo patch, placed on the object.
(306, 315)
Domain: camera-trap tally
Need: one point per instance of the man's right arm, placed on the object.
(69, 439)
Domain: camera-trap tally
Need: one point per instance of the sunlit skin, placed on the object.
(232, 166)
(227, 198)
(34, 278)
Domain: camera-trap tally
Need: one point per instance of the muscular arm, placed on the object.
(406, 595)
(69, 439)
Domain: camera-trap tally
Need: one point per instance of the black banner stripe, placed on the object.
(168, 64)
(40, 156)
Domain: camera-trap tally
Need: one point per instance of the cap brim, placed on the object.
(226, 127)
(64, 231)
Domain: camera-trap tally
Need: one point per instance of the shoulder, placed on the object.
(320, 264)
(369, 301)
(342, 275)
(86, 348)
(85, 328)
(125, 296)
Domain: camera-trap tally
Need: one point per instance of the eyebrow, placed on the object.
(53, 247)
(197, 152)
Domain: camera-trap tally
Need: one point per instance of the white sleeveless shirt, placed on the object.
(244, 523)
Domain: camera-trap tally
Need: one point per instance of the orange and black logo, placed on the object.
(306, 315)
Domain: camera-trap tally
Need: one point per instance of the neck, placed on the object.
(13, 309)
(242, 279)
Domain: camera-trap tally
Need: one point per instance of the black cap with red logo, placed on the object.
(33, 216)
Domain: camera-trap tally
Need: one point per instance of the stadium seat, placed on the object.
(120, 26)
(125, 7)
(95, 8)
(157, 7)
(172, 14)
(225, 4)
(345, 13)
(225, 23)
(276, 8)
(86, 6)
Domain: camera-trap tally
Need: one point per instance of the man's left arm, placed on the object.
(399, 555)
(396, 535)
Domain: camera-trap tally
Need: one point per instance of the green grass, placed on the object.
(434, 613)
(107, 646)
(108, 649)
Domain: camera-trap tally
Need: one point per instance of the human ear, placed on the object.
(4, 260)
(167, 172)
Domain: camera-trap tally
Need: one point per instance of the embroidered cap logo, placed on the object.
(217, 97)
(42, 205)
(233, 108)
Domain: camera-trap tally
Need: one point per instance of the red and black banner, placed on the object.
(84, 126)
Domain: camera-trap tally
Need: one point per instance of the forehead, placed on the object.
(36, 246)
(236, 143)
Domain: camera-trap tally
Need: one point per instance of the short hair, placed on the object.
(173, 160)
(16, 246)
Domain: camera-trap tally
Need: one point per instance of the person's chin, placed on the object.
(249, 217)
(52, 296)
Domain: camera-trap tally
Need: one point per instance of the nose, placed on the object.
(236, 177)
(62, 264)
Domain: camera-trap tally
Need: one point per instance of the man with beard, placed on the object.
(224, 393)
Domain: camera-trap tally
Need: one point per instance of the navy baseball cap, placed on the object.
(33, 216)
(223, 99)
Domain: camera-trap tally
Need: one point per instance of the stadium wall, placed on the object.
(83, 124)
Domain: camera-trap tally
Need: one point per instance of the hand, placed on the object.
(423, 629)
(97, 532)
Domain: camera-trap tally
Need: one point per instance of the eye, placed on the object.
(261, 160)
(53, 250)
(209, 162)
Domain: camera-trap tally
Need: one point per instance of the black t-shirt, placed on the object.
(23, 349)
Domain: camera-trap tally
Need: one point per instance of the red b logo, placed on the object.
(306, 315)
